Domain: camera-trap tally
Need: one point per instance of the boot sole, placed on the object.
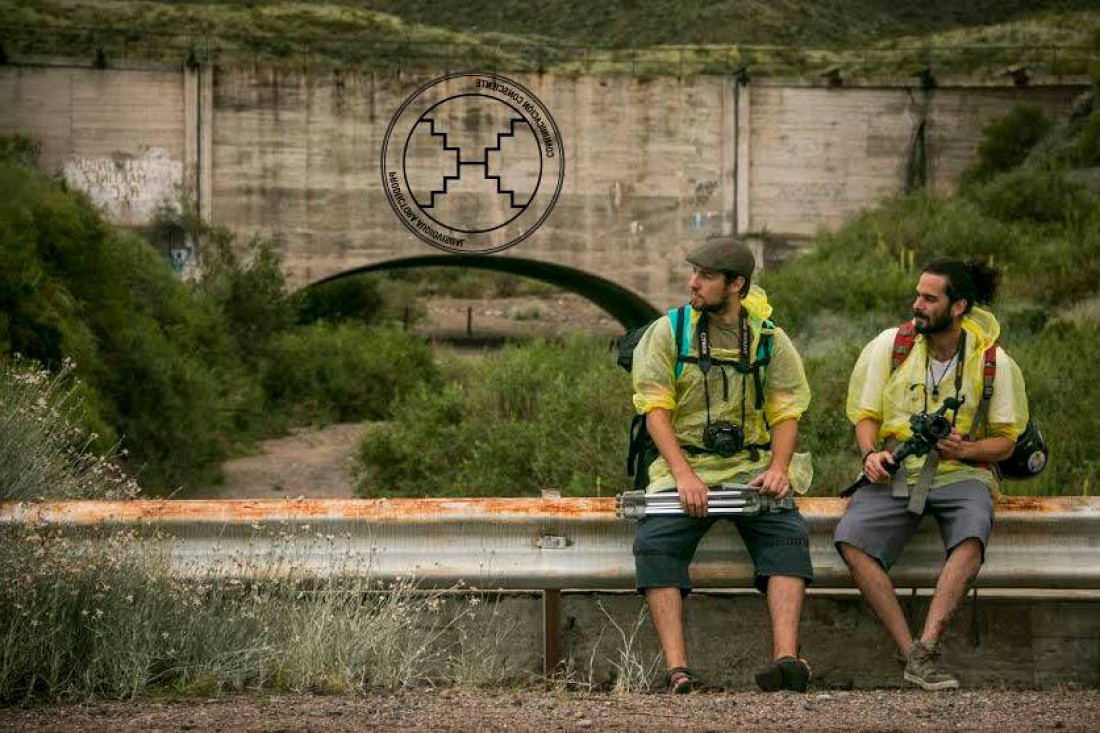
(770, 680)
(931, 686)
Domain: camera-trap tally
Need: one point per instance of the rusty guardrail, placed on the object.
(543, 544)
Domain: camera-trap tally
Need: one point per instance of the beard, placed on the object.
(928, 325)
(715, 309)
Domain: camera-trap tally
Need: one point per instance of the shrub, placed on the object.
(344, 372)
(1087, 152)
(107, 619)
(349, 298)
(1007, 141)
(45, 452)
(1033, 196)
(19, 150)
(526, 418)
(250, 293)
(159, 364)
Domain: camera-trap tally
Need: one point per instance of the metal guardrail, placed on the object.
(544, 544)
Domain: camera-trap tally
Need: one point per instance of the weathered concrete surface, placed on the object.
(820, 155)
(1023, 642)
(119, 135)
(652, 165)
(297, 154)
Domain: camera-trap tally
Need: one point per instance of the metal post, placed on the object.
(469, 320)
(551, 632)
(975, 620)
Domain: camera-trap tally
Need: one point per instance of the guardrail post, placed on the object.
(551, 632)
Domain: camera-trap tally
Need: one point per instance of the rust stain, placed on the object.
(412, 510)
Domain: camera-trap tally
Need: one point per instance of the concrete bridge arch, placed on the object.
(621, 303)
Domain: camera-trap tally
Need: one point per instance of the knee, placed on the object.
(969, 551)
(852, 554)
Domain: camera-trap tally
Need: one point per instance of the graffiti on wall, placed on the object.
(127, 187)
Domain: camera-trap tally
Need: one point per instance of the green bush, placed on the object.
(1057, 365)
(1033, 196)
(1007, 141)
(250, 294)
(1087, 152)
(344, 372)
(19, 149)
(526, 418)
(159, 364)
(349, 298)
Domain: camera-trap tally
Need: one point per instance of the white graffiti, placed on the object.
(127, 187)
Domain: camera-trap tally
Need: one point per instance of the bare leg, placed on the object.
(878, 591)
(958, 573)
(666, 609)
(785, 594)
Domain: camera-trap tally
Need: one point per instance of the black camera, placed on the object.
(929, 427)
(724, 438)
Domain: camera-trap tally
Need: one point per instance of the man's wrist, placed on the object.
(866, 451)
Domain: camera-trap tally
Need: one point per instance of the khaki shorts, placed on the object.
(880, 524)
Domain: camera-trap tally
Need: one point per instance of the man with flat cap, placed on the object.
(722, 405)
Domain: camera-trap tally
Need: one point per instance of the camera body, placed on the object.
(723, 438)
(929, 427)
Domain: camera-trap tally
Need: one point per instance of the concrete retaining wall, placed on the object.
(1034, 642)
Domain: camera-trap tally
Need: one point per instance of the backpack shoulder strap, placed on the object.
(763, 358)
(989, 375)
(903, 344)
(764, 345)
(682, 334)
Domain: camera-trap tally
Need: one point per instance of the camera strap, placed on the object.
(706, 361)
(918, 497)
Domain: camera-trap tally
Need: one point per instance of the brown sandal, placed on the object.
(681, 680)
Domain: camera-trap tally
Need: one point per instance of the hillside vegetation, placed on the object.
(567, 36)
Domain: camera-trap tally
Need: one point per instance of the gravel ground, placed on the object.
(522, 710)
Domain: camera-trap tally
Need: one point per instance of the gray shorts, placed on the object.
(881, 525)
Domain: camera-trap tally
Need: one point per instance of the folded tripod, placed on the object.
(722, 500)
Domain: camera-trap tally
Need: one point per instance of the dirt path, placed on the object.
(314, 462)
(524, 710)
(519, 316)
(310, 462)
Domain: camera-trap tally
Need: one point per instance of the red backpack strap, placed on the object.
(989, 371)
(903, 344)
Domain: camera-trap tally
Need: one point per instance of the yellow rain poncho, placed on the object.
(786, 396)
(890, 398)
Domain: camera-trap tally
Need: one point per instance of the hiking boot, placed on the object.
(788, 673)
(921, 669)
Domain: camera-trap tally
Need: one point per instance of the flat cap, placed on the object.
(724, 254)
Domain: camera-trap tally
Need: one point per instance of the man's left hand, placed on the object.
(774, 481)
(953, 447)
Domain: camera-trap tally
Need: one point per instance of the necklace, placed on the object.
(932, 374)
